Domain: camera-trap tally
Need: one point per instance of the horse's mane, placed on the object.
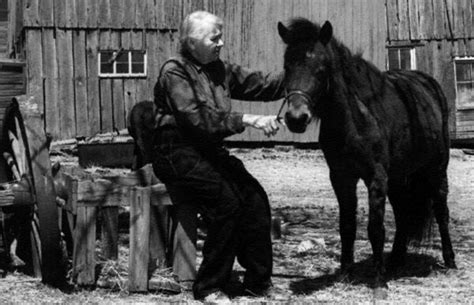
(301, 32)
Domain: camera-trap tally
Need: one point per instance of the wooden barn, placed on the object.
(88, 61)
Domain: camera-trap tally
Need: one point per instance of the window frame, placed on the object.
(114, 73)
(411, 48)
(466, 59)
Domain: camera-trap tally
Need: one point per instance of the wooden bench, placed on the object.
(160, 234)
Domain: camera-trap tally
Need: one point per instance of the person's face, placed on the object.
(207, 47)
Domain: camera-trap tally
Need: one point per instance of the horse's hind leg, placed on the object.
(377, 188)
(399, 197)
(441, 211)
(345, 190)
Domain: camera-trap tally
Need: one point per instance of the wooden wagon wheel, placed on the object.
(39, 242)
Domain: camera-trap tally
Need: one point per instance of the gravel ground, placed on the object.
(306, 258)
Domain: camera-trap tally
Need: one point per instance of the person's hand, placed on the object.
(268, 123)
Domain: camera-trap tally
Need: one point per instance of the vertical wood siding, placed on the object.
(444, 30)
(428, 20)
(71, 32)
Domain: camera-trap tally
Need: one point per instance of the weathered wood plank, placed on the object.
(172, 11)
(439, 20)
(413, 15)
(426, 19)
(35, 66)
(92, 9)
(31, 13)
(116, 87)
(109, 232)
(81, 13)
(392, 19)
(141, 93)
(80, 83)
(106, 108)
(46, 12)
(128, 21)
(84, 246)
(140, 14)
(60, 9)
(129, 85)
(150, 15)
(117, 11)
(105, 16)
(153, 59)
(139, 239)
(93, 92)
(52, 107)
(66, 86)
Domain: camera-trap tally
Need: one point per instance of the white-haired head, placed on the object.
(197, 27)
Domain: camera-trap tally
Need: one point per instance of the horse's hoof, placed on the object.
(450, 264)
(345, 274)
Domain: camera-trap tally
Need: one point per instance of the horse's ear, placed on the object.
(283, 31)
(325, 33)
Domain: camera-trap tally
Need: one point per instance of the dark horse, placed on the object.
(389, 129)
(141, 125)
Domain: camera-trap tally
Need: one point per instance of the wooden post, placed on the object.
(84, 245)
(139, 239)
(184, 243)
(109, 232)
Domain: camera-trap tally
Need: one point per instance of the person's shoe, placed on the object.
(217, 297)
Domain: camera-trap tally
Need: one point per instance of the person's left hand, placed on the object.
(268, 123)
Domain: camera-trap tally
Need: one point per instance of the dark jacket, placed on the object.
(199, 98)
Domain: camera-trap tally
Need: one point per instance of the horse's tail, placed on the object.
(419, 210)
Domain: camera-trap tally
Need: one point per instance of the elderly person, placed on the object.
(193, 96)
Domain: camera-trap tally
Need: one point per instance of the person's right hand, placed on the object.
(268, 123)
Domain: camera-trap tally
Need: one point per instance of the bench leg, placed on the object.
(109, 232)
(139, 239)
(84, 246)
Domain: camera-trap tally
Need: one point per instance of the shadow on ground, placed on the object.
(417, 265)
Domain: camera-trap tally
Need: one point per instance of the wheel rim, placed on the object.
(28, 235)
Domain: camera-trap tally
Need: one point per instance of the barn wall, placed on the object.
(62, 38)
(443, 29)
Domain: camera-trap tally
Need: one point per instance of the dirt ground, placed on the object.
(306, 257)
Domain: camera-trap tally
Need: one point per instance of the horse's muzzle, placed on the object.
(297, 124)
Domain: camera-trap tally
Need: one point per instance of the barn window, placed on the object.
(122, 63)
(401, 58)
(464, 71)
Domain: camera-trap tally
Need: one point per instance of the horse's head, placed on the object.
(307, 66)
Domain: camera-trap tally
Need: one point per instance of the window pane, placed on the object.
(463, 71)
(106, 64)
(465, 94)
(405, 59)
(393, 63)
(106, 56)
(138, 56)
(122, 63)
(138, 68)
(138, 62)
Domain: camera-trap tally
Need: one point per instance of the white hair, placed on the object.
(191, 28)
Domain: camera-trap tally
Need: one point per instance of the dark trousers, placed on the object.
(235, 208)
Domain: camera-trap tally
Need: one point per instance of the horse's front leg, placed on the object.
(377, 189)
(345, 189)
